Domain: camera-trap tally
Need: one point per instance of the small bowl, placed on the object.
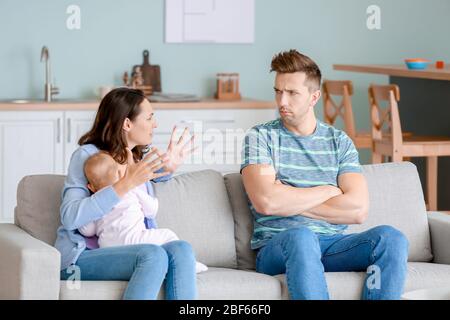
(417, 64)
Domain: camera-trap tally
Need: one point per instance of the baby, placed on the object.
(124, 225)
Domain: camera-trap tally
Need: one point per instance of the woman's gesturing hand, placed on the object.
(178, 150)
(141, 172)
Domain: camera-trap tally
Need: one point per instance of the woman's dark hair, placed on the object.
(106, 133)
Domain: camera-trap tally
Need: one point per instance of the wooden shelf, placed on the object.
(398, 70)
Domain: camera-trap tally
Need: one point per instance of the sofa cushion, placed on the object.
(214, 284)
(349, 285)
(243, 221)
(396, 199)
(92, 290)
(196, 207)
(228, 284)
(38, 202)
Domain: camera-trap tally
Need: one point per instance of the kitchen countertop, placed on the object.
(207, 103)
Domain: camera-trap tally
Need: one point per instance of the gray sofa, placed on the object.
(210, 212)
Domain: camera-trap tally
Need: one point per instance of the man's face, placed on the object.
(294, 98)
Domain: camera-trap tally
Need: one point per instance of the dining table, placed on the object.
(424, 108)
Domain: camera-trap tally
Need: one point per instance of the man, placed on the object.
(304, 184)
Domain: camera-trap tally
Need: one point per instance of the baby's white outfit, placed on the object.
(125, 225)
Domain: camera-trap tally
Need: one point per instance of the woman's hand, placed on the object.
(177, 151)
(140, 172)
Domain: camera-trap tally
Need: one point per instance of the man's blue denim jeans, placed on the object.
(304, 256)
(144, 266)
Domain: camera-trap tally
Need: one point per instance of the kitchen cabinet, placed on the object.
(218, 135)
(30, 143)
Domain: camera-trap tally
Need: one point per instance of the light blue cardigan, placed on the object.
(79, 207)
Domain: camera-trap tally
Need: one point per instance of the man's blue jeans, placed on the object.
(304, 256)
(144, 266)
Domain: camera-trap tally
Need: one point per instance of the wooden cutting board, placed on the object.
(150, 73)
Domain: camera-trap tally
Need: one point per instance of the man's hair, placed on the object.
(293, 61)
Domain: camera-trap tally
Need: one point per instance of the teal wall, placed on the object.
(114, 33)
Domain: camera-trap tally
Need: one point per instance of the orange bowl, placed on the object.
(417, 60)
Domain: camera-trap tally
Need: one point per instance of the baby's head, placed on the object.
(101, 170)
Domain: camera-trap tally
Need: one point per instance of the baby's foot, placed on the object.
(200, 267)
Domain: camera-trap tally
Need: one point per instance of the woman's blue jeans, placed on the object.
(145, 267)
(381, 252)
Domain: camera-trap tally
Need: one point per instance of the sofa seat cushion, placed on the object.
(230, 284)
(348, 285)
(93, 290)
(214, 284)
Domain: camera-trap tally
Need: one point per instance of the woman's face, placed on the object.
(140, 130)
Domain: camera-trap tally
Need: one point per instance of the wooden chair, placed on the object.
(398, 146)
(331, 111)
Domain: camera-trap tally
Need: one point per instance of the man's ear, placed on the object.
(315, 97)
(127, 125)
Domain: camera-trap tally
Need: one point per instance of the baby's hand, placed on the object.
(200, 267)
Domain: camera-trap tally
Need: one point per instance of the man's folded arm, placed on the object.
(349, 208)
(271, 198)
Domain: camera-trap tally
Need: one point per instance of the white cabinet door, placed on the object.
(77, 123)
(219, 135)
(31, 142)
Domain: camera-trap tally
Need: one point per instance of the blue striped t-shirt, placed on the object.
(299, 161)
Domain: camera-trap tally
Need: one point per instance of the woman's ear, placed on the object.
(127, 125)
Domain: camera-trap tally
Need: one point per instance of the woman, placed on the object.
(123, 127)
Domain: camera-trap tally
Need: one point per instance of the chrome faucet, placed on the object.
(50, 90)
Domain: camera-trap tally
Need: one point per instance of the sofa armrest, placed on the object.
(29, 268)
(440, 236)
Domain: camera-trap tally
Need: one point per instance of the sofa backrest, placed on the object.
(38, 202)
(211, 211)
(396, 199)
(196, 207)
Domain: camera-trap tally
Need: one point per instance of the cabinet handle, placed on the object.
(69, 130)
(58, 130)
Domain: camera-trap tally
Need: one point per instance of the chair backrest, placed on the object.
(385, 119)
(332, 110)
